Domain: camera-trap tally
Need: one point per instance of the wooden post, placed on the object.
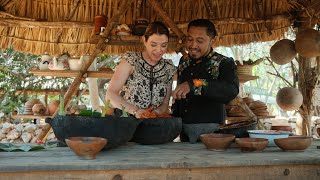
(157, 7)
(100, 47)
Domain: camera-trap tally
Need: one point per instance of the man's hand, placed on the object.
(180, 92)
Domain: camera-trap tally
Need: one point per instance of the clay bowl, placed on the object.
(216, 141)
(252, 144)
(293, 143)
(282, 128)
(86, 147)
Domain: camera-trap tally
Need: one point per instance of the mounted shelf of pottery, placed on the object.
(106, 73)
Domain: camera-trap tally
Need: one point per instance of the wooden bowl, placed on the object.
(282, 128)
(293, 143)
(252, 144)
(216, 141)
(86, 147)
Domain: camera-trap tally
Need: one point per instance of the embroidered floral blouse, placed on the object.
(147, 85)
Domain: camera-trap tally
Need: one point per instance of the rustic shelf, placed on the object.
(68, 73)
(28, 116)
(244, 78)
(130, 40)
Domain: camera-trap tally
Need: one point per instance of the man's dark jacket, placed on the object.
(206, 104)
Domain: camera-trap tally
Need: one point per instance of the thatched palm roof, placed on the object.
(56, 26)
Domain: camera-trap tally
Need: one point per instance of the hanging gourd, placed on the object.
(308, 43)
(289, 98)
(283, 51)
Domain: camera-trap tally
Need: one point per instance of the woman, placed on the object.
(144, 79)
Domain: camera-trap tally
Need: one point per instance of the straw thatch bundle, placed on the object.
(56, 26)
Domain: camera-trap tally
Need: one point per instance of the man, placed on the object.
(206, 80)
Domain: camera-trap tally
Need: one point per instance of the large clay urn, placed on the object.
(308, 43)
(289, 98)
(52, 107)
(283, 51)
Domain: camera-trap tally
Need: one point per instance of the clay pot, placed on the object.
(99, 22)
(45, 61)
(39, 109)
(252, 144)
(140, 26)
(308, 43)
(75, 63)
(282, 128)
(283, 51)
(217, 142)
(295, 143)
(86, 147)
(29, 105)
(289, 98)
(53, 106)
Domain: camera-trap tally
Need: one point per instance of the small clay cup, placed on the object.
(216, 141)
(86, 148)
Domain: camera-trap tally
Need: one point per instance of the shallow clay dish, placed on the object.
(216, 141)
(294, 143)
(252, 144)
(86, 147)
(282, 128)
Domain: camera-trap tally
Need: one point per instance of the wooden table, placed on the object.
(166, 161)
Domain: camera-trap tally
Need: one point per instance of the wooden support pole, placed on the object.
(100, 47)
(157, 7)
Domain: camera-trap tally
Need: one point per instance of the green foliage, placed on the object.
(15, 77)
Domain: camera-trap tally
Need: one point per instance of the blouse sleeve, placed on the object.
(171, 70)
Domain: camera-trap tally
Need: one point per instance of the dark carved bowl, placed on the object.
(118, 130)
(157, 130)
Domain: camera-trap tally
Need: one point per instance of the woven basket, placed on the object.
(244, 69)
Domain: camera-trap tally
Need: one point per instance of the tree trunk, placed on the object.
(306, 86)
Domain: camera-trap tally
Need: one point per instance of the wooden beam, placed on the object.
(50, 92)
(44, 24)
(157, 7)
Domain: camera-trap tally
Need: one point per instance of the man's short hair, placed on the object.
(211, 30)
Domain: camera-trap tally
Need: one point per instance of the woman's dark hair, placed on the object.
(211, 30)
(156, 27)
